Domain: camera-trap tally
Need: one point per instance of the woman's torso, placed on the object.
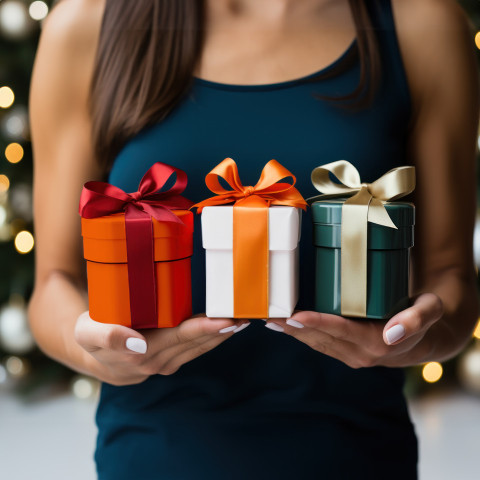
(262, 404)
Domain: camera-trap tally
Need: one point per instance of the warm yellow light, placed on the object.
(477, 40)
(476, 333)
(14, 152)
(6, 97)
(4, 183)
(432, 372)
(24, 242)
(38, 10)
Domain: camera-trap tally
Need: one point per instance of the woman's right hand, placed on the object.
(123, 356)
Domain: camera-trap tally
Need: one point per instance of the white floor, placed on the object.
(54, 439)
(448, 427)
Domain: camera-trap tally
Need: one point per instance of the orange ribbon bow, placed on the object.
(250, 228)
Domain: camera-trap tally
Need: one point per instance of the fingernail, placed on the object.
(136, 345)
(294, 323)
(241, 327)
(274, 326)
(395, 333)
(228, 329)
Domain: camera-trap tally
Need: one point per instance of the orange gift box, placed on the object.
(138, 247)
(105, 249)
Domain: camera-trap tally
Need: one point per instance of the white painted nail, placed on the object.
(136, 345)
(228, 329)
(274, 326)
(294, 323)
(241, 327)
(395, 333)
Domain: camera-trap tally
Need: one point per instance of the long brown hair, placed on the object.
(146, 56)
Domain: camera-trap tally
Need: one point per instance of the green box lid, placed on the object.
(329, 212)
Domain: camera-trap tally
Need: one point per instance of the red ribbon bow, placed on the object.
(99, 199)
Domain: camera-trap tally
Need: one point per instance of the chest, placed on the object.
(271, 43)
(253, 125)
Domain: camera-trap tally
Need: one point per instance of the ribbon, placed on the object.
(250, 228)
(99, 199)
(366, 204)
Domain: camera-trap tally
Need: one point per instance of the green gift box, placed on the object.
(363, 240)
(388, 258)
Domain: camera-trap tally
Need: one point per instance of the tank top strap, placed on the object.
(392, 62)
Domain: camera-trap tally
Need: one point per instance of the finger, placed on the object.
(352, 354)
(334, 325)
(191, 330)
(93, 336)
(165, 354)
(359, 336)
(426, 310)
(157, 361)
(170, 365)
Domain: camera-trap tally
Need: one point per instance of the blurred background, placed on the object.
(47, 411)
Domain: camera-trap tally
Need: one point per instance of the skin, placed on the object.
(270, 41)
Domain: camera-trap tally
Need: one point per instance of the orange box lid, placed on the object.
(112, 227)
(104, 238)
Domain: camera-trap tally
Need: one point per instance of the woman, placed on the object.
(119, 85)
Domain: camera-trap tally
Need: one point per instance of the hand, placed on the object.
(123, 356)
(365, 343)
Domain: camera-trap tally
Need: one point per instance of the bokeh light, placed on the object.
(3, 215)
(24, 242)
(38, 10)
(477, 40)
(14, 152)
(83, 388)
(476, 332)
(432, 372)
(4, 183)
(16, 366)
(7, 97)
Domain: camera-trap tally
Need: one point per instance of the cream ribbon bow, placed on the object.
(366, 204)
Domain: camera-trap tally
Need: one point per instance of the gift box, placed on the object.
(252, 245)
(138, 248)
(362, 241)
(388, 259)
(283, 237)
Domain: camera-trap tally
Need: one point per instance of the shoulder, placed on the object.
(73, 26)
(436, 19)
(436, 41)
(426, 13)
(62, 74)
(66, 53)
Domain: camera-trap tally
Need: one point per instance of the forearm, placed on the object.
(53, 309)
(451, 333)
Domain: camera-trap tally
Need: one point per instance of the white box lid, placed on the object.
(283, 227)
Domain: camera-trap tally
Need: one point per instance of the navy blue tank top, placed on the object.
(263, 405)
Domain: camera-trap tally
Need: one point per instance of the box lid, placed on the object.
(378, 236)
(283, 227)
(330, 212)
(112, 227)
(104, 238)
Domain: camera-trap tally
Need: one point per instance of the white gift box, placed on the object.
(283, 235)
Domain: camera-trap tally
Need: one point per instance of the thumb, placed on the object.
(93, 336)
(426, 310)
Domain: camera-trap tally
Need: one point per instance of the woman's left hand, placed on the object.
(362, 342)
